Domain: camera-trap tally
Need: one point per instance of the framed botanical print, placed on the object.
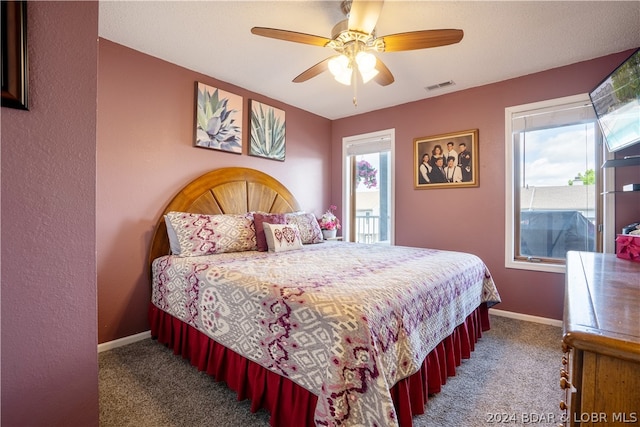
(218, 119)
(267, 131)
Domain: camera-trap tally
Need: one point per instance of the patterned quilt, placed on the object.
(346, 321)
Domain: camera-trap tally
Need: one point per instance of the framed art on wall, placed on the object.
(15, 64)
(446, 161)
(218, 119)
(267, 131)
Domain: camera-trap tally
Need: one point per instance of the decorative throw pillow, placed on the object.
(282, 237)
(308, 225)
(258, 219)
(200, 234)
(173, 237)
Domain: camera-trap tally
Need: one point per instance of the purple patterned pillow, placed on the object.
(200, 234)
(259, 218)
(308, 225)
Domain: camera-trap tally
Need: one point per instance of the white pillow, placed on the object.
(282, 237)
(173, 237)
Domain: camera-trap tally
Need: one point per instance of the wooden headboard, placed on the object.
(226, 190)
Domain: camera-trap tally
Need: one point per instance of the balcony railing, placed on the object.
(367, 228)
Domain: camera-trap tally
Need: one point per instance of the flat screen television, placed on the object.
(616, 101)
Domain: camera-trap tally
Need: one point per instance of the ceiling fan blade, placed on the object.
(421, 39)
(363, 15)
(310, 73)
(384, 76)
(290, 36)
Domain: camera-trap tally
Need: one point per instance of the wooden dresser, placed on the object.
(601, 342)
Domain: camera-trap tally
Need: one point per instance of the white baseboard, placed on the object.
(123, 341)
(526, 317)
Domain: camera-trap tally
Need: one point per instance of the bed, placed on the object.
(316, 332)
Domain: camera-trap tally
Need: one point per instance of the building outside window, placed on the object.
(553, 182)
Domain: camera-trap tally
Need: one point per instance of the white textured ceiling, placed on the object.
(502, 40)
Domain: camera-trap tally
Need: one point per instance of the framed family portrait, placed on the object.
(446, 161)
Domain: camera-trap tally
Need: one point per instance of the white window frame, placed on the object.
(510, 261)
(380, 138)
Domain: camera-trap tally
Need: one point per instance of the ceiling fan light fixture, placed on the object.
(366, 62)
(344, 77)
(338, 64)
(368, 75)
(366, 65)
(340, 69)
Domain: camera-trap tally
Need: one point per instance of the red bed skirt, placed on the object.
(287, 402)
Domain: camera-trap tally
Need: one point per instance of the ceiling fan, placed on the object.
(355, 41)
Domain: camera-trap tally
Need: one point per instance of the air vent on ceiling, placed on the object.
(440, 85)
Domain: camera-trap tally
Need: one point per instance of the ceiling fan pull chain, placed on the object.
(354, 79)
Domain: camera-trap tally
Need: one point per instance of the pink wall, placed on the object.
(146, 154)
(49, 355)
(472, 219)
(51, 228)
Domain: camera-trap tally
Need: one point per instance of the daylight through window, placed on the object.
(368, 187)
(553, 182)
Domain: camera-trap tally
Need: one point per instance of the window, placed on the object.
(368, 187)
(553, 182)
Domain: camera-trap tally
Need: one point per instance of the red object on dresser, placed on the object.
(628, 247)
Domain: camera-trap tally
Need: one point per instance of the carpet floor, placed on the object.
(512, 378)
